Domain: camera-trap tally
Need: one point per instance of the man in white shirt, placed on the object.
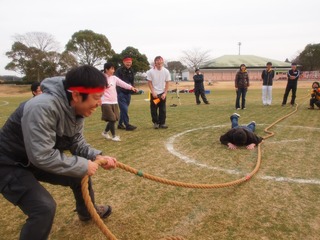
(158, 81)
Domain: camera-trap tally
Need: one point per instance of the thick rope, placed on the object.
(96, 218)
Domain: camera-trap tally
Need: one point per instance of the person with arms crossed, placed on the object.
(199, 87)
(293, 76)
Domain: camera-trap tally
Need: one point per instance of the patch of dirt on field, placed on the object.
(14, 90)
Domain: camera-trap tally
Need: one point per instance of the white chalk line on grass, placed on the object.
(186, 159)
(4, 103)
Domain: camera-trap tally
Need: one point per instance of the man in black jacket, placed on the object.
(293, 76)
(240, 135)
(199, 87)
(126, 74)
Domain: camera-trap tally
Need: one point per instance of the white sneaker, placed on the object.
(116, 139)
(106, 135)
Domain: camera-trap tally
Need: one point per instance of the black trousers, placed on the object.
(159, 118)
(198, 93)
(314, 101)
(293, 88)
(241, 92)
(23, 189)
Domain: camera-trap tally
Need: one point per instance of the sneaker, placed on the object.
(207, 103)
(120, 126)
(116, 139)
(236, 114)
(130, 127)
(237, 108)
(253, 122)
(283, 104)
(103, 212)
(163, 126)
(155, 125)
(243, 108)
(106, 135)
(310, 107)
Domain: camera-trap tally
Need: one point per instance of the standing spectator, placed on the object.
(126, 74)
(199, 87)
(109, 107)
(315, 95)
(158, 81)
(35, 89)
(32, 145)
(267, 78)
(241, 85)
(293, 76)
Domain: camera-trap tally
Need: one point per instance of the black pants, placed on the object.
(159, 118)
(314, 101)
(111, 127)
(293, 88)
(23, 189)
(241, 92)
(198, 93)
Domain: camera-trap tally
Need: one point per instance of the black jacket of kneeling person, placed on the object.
(240, 137)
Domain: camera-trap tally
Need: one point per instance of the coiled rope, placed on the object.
(104, 229)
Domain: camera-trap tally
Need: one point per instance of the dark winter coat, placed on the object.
(126, 75)
(295, 74)
(251, 137)
(242, 79)
(198, 82)
(267, 77)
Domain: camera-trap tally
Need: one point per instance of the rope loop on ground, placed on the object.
(104, 229)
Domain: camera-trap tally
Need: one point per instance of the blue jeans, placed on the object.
(234, 124)
(124, 102)
(241, 92)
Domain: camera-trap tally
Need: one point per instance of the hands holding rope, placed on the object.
(108, 163)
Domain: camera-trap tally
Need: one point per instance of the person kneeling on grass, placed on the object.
(240, 135)
(32, 145)
(315, 95)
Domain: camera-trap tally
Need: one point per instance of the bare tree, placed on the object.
(195, 57)
(40, 40)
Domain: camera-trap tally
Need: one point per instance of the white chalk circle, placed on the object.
(170, 147)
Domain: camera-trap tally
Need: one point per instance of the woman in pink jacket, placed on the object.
(109, 107)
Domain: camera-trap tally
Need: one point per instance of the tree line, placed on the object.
(36, 55)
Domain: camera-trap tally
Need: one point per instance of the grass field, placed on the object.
(280, 202)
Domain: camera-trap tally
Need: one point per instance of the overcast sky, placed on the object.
(276, 29)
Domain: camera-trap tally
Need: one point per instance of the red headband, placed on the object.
(127, 59)
(87, 90)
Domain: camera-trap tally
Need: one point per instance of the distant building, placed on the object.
(10, 78)
(224, 68)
